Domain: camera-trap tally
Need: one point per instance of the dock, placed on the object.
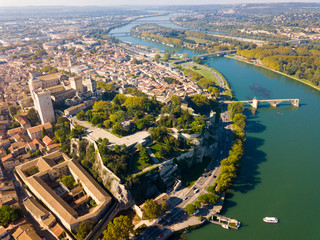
(221, 220)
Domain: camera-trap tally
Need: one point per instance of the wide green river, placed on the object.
(279, 175)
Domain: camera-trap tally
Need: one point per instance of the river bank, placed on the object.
(279, 168)
(238, 58)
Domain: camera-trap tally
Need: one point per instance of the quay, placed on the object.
(221, 220)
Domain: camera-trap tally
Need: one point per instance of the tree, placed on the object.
(200, 103)
(158, 133)
(77, 131)
(157, 58)
(9, 215)
(33, 117)
(197, 203)
(234, 108)
(176, 100)
(196, 59)
(214, 90)
(106, 87)
(143, 155)
(43, 133)
(134, 61)
(15, 124)
(13, 110)
(211, 189)
(208, 198)
(152, 209)
(68, 181)
(166, 56)
(81, 115)
(119, 229)
(190, 209)
(163, 152)
(239, 120)
(84, 229)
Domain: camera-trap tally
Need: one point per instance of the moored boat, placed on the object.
(225, 226)
(270, 220)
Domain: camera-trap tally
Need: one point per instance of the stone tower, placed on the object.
(43, 104)
(76, 84)
(91, 85)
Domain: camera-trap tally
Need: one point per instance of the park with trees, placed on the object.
(300, 62)
(230, 165)
(9, 215)
(123, 115)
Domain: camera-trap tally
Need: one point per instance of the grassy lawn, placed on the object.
(137, 165)
(210, 76)
(171, 59)
(198, 40)
(155, 148)
(191, 175)
(203, 72)
(228, 92)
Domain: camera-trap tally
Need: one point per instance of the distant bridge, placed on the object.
(119, 34)
(273, 102)
(298, 41)
(205, 56)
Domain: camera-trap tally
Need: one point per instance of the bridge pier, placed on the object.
(273, 104)
(295, 102)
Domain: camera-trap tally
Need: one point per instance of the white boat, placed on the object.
(270, 220)
(225, 226)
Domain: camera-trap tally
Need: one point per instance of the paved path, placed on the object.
(95, 133)
(153, 157)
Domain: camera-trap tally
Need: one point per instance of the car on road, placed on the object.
(185, 198)
(196, 190)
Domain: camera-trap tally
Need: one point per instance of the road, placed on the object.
(176, 216)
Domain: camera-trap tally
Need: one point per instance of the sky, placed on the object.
(131, 2)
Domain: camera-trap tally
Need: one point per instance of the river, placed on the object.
(280, 168)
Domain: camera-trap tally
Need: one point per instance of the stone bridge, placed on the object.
(119, 34)
(273, 102)
(219, 53)
(205, 56)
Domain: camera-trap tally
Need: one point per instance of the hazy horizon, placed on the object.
(25, 3)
